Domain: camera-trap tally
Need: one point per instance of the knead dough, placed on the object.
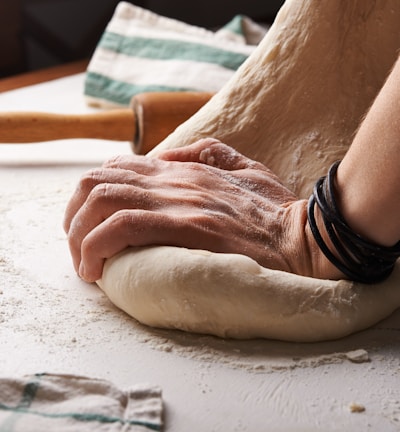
(294, 105)
(230, 295)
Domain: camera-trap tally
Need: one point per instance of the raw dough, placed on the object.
(293, 105)
(232, 296)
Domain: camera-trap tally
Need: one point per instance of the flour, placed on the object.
(46, 306)
(21, 295)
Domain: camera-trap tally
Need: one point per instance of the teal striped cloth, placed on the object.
(46, 402)
(141, 51)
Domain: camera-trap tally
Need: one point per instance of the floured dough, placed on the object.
(232, 296)
(294, 105)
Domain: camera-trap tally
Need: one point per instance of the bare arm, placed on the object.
(368, 179)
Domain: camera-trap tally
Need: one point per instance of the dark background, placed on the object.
(36, 34)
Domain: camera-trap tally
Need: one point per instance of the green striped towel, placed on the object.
(141, 51)
(45, 402)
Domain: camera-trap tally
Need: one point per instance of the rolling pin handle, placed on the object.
(158, 114)
(148, 121)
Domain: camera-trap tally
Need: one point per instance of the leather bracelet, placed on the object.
(358, 258)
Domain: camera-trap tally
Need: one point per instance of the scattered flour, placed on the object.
(37, 306)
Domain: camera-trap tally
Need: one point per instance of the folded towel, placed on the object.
(45, 402)
(141, 51)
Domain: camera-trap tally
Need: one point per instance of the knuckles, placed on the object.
(91, 179)
(122, 218)
(100, 193)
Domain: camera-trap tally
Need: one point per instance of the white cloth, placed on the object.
(62, 403)
(141, 51)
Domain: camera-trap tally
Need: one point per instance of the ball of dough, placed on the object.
(230, 295)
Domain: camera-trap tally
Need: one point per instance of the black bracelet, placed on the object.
(358, 258)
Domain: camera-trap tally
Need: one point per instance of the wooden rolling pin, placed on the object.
(150, 118)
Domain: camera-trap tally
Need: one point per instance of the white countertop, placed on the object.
(50, 321)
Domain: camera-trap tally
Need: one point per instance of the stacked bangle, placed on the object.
(358, 258)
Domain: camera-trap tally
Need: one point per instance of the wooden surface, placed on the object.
(43, 75)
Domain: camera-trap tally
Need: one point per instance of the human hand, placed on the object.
(203, 196)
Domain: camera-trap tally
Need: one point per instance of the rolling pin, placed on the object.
(150, 118)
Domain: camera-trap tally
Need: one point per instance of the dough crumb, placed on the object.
(356, 408)
(358, 356)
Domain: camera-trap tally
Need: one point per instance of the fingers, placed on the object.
(137, 228)
(136, 170)
(189, 153)
(103, 201)
(103, 176)
(140, 164)
(122, 229)
(212, 152)
(226, 158)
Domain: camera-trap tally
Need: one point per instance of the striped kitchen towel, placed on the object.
(141, 51)
(46, 402)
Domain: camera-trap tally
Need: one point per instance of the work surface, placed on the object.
(50, 321)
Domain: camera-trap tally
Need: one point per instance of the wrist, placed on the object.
(359, 258)
(304, 255)
(321, 266)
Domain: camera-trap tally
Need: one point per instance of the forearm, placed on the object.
(368, 179)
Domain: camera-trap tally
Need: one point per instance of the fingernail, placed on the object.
(82, 270)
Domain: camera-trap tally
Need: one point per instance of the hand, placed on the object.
(203, 196)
